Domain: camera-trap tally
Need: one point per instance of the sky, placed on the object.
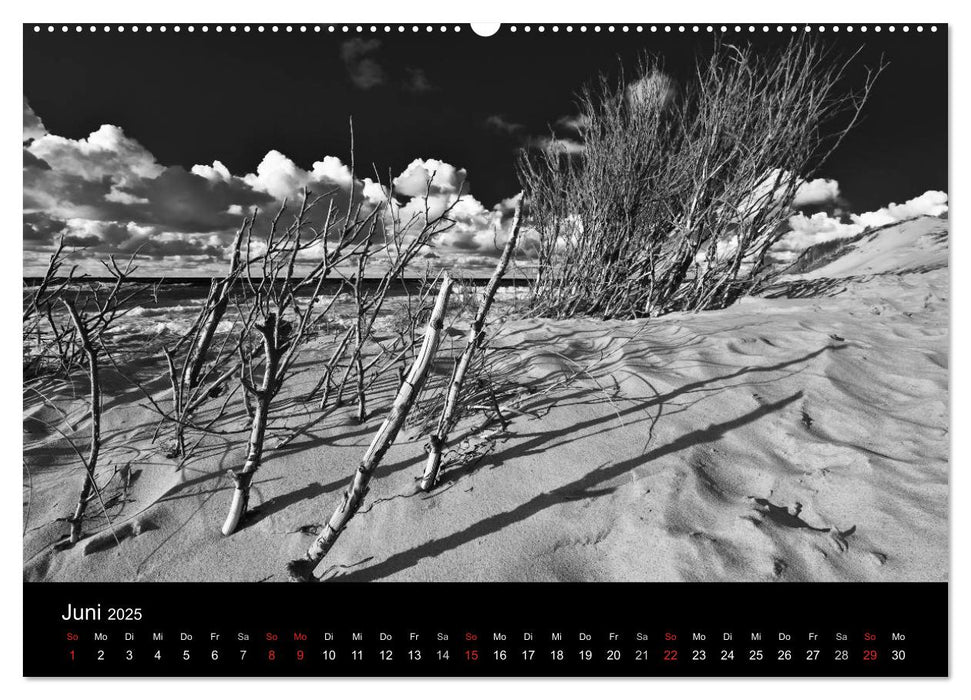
(159, 142)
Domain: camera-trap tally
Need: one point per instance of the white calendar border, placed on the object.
(601, 11)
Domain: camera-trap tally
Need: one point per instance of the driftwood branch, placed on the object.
(302, 569)
(439, 439)
(94, 403)
(243, 478)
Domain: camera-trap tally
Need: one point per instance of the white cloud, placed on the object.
(281, 178)
(113, 235)
(776, 184)
(816, 192)
(33, 126)
(443, 178)
(127, 237)
(374, 192)
(106, 152)
(931, 203)
(217, 172)
(472, 226)
(278, 176)
(509, 204)
(122, 197)
(807, 231)
(332, 170)
(107, 192)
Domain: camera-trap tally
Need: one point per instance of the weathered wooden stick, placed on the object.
(254, 453)
(176, 402)
(303, 569)
(94, 400)
(497, 408)
(438, 439)
(324, 381)
(219, 302)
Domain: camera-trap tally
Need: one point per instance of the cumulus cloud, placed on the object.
(431, 187)
(41, 228)
(281, 178)
(107, 193)
(809, 194)
(363, 69)
(807, 231)
(278, 176)
(217, 172)
(175, 199)
(105, 237)
(33, 126)
(32, 161)
(426, 187)
(374, 191)
(816, 192)
(106, 152)
(429, 175)
(931, 203)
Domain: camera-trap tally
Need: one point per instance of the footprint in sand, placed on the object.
(790, 517)
(879, 557)
(838, 539)
(807, 420)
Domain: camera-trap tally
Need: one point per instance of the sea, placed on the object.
(165, 308)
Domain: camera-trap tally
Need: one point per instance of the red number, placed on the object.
(271, 655)
(472, 654)
(869, 654)
(299, 654)
(670, 654)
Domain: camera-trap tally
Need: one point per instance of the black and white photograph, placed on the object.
(567, 303)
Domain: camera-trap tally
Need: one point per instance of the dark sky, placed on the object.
(195, 98)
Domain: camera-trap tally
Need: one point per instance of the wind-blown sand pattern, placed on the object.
(798, 435)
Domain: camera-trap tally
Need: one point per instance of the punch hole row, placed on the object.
(513, 28)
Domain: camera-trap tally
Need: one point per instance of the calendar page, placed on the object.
(485, 350)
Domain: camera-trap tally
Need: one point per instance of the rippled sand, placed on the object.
(798, 437)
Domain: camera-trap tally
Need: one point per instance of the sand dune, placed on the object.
(797, 435)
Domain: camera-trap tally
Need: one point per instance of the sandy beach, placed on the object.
(798, 435)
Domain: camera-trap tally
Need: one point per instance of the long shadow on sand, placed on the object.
(585, 487)
(532, 445)
(541, 441)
